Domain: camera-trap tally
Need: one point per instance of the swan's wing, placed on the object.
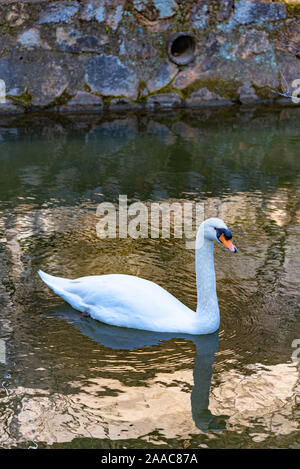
(122, 300)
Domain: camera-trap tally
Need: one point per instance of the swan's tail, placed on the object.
(57, 284)
(63, 288)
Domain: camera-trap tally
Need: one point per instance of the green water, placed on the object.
(70, 381)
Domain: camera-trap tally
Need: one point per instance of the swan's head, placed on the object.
(216, 230)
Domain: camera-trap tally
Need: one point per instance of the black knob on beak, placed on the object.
(226, 232)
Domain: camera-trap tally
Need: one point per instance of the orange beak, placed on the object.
(227, 243)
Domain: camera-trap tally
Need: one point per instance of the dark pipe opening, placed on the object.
(182, 48)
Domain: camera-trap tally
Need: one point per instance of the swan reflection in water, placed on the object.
(120, 338)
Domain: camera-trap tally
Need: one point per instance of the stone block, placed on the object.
(164, 100)
(58, 12)
(246, 11)
(83, 101)
(107, 75)
(165, 73)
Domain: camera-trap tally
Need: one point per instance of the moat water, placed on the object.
(70, 381)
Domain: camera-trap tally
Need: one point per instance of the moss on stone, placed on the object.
(4, 51)
(86, 87)
(224, 88)
(106, 99)
(60, 100)
(293, 10)
(23, 99)
(142, 99)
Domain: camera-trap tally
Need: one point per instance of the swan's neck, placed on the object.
(207, 301)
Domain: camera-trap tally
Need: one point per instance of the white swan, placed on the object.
(129, 301)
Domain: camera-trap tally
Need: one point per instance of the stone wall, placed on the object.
(94, 54)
